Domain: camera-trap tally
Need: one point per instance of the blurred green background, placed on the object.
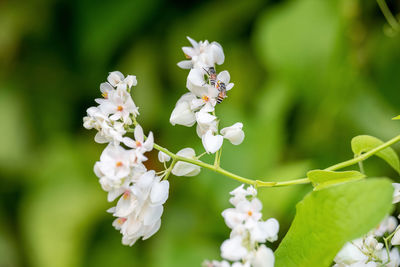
(309, 75)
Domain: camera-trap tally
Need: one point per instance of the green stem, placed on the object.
(363, 156)
(258, 183)
(388, 15)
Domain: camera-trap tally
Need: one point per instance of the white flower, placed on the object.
(202, 54)
(118, 80)
(139, 143)
(115, 162)
(225, 77)
(264, 257)
(162, 157)
(106, 89)
(183, 168)
(182, 113)
(267, 230)
(234, 133)
(206, 93)
(212, 143)
(205, 122)
(388, 225)
(350, 253)
(239, 194)
(119, 105)
(233, 249)
(396, 193)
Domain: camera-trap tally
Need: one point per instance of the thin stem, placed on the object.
(258, 183)
(361, 166)
(363, 156)
(388, 15)
(168, 171)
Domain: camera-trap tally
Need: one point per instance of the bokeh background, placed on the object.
(309, 75)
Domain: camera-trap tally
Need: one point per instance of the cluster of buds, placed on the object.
(121, 170)
(245, 246)
(207, 88)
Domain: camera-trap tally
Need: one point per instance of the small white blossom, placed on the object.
(248, 231)
(183, 168)
(162, 157)
(202, 54)
(212, 143)
(234, 133)
(182, 113)
(264, 257)
(118, 80)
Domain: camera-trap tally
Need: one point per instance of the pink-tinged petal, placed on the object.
(129, 142)
(113, 194)
(125, 205)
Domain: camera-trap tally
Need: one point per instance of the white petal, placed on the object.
(148, 144)
(264, 257)
(183, 115)
(130, 80)
(229, 86)
(159, 192)
(162, 157)
(152, 214)
(212, 143)
(129, 142)
(154, 229)
(218, 53)
(234, 133)
(205, 118)
(232, 249)
(192, 42)
(115, 77)
(224, 77)
(185, 64)
(139, 135)
(184, 168)
(125, 205)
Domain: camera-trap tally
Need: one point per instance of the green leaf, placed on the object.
(325, 220)
(364, 143)
(322, 179)
(396, 118)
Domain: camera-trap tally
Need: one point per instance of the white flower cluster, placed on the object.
(207, 88)
(121, 170)
(368, 251)
(244, 247)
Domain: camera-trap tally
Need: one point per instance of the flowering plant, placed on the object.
(344, 210)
